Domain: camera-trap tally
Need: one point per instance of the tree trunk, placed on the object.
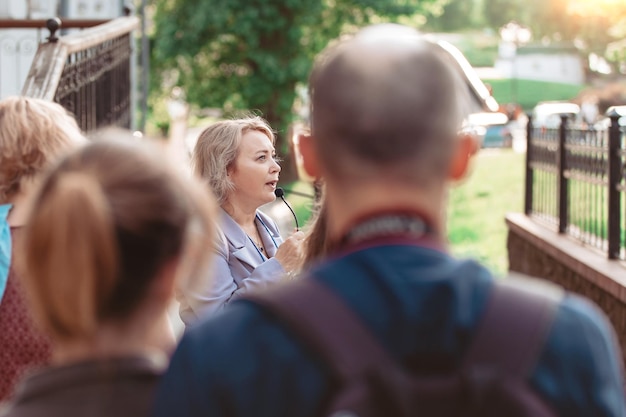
(280, 122)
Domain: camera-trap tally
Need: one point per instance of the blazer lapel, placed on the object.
(248, 256)
(269, 234)
(240, 246)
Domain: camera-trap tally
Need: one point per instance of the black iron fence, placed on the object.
(90, 73)
(575, 182)
(18, 45)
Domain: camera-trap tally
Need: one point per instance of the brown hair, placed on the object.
(316, 240)
(386, 102)
(32, 133)
(107, 219)
(217, 148)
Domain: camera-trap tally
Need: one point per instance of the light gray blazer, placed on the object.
(237, 269)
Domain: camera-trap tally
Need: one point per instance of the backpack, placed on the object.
(491, 381)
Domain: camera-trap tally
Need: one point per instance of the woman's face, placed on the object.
(254, 172)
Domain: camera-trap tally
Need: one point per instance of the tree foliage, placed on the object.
(251, 54)
(592, 24)
(454, 16)
(499, 12)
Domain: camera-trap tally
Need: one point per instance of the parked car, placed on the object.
(498, 136)
(547, 114)
(490, 129)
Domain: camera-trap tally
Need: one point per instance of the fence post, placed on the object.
(53, 25)
(615, 172)
(528, 194)
(562, 181)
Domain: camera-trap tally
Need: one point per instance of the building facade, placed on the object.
(559, 63)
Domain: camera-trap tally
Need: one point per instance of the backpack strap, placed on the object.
(514, 327)
(508, 339)
(316, 316)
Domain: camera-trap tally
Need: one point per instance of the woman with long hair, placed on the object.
(112, 227)
(237, 161)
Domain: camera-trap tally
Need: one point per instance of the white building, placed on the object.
(559, 63)
(18, 46)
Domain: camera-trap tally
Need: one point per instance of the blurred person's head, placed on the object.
(236, 158)
(386, 102)
(387, 109)
(300, 138)
(113, 226)
(33, 133)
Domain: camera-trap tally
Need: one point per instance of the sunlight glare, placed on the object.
(594, 7)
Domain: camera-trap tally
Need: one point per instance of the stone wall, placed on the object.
(538, 251)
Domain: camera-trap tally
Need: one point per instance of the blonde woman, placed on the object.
(33, 133)
(111, 230)
(237, 160)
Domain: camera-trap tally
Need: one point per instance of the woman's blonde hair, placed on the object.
(107, 219)
(217, 148)
(33, 133)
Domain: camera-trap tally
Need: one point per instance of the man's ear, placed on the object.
(309, 156)
(466, 147)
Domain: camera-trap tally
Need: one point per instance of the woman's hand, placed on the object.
(290, 253)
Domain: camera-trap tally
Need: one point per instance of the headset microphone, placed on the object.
(279, 192)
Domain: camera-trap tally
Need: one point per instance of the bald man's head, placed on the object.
(387, 100)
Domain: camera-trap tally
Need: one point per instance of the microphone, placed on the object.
(279, 192)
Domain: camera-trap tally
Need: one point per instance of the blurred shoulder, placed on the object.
(581, 323)
(580, 369)
(230, 335)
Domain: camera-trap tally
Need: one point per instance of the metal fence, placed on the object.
(88, 72)
(575, 182)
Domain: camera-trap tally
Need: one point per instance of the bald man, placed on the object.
(387, 106)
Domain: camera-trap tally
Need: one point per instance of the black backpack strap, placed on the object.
(507, 343)
(316, 316)
(509, 337)
(514, 327)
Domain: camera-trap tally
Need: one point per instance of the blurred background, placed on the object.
(200, 60)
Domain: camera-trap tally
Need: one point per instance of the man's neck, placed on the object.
(348, 205)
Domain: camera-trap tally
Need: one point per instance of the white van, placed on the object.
(547, 114)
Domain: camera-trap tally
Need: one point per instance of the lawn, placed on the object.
(477, 207)
(301, 204)
(476, 225)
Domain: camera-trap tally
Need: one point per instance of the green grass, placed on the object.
(588, 205)
(476, 225)
(477, 207)
(529, 92)
(301, 205)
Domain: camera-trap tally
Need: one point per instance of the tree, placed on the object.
(593, 25)
(251, 54)
(499, 12)
(602, 23)
(454, 16)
